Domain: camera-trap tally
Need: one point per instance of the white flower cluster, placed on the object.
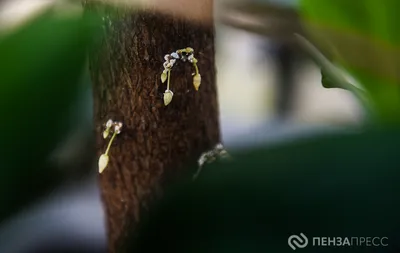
(170, 59)
(112, 126)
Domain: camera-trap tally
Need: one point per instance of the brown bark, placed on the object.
(157, 142)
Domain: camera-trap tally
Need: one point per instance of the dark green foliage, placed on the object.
(337, 186)
(41, 67)
(327, 82)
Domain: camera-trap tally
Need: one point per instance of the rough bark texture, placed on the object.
(157, 142)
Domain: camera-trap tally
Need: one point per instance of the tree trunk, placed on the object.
(156, 142)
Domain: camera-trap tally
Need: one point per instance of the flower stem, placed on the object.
(109, 144)
(196, 68)
(169, 77)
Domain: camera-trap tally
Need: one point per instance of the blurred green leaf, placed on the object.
(364, 39)
(41, 67)
(340, 185)
(326, 81)
(375, 19)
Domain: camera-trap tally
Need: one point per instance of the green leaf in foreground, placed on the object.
(341, 185)
(41, 69)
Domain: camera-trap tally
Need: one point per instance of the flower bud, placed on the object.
(103, 161)
(196, 81)
(106, 133)
(163, 77)
(168, 97)
(109, 123)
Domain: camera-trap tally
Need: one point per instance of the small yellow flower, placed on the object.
(196, 81)
(103, 162)
(168, 97)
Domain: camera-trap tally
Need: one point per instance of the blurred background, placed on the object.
(251, 68)
(267, 91)
(266, 87)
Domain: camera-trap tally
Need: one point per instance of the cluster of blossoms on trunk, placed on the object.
(114, 128)
(185, 55)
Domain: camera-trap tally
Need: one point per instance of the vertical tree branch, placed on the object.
(156, 141)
